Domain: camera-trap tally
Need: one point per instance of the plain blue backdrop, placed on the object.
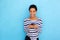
(13, 13)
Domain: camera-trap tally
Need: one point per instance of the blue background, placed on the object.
(13, 12)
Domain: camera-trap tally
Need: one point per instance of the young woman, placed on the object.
(32, 25)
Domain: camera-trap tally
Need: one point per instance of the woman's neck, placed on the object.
(33, 18)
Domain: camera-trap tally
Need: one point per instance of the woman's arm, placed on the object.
(26, 25)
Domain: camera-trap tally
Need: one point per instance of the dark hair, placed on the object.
(33, 6)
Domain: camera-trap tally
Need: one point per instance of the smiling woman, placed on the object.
(32, 25)
(13, 13)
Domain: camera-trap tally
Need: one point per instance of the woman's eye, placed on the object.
(33, 11)
(30, 11)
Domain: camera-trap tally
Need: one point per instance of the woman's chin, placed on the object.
(32, 16)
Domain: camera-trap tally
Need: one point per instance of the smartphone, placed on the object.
(32, 24)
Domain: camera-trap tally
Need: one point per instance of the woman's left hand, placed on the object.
(35, 26)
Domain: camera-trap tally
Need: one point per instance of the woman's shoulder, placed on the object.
(39, 19)
(26, 19)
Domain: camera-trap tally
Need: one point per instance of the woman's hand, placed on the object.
(30, 26)
(35, 26)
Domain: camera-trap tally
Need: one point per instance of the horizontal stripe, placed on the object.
(26, 24)
(26, 20)
(33, 36)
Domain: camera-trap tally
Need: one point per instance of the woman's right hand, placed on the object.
(30, 26)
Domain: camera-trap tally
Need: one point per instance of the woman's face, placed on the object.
(32, 12)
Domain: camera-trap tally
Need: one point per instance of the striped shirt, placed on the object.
(32, 33)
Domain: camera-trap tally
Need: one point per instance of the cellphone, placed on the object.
(32, 24)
